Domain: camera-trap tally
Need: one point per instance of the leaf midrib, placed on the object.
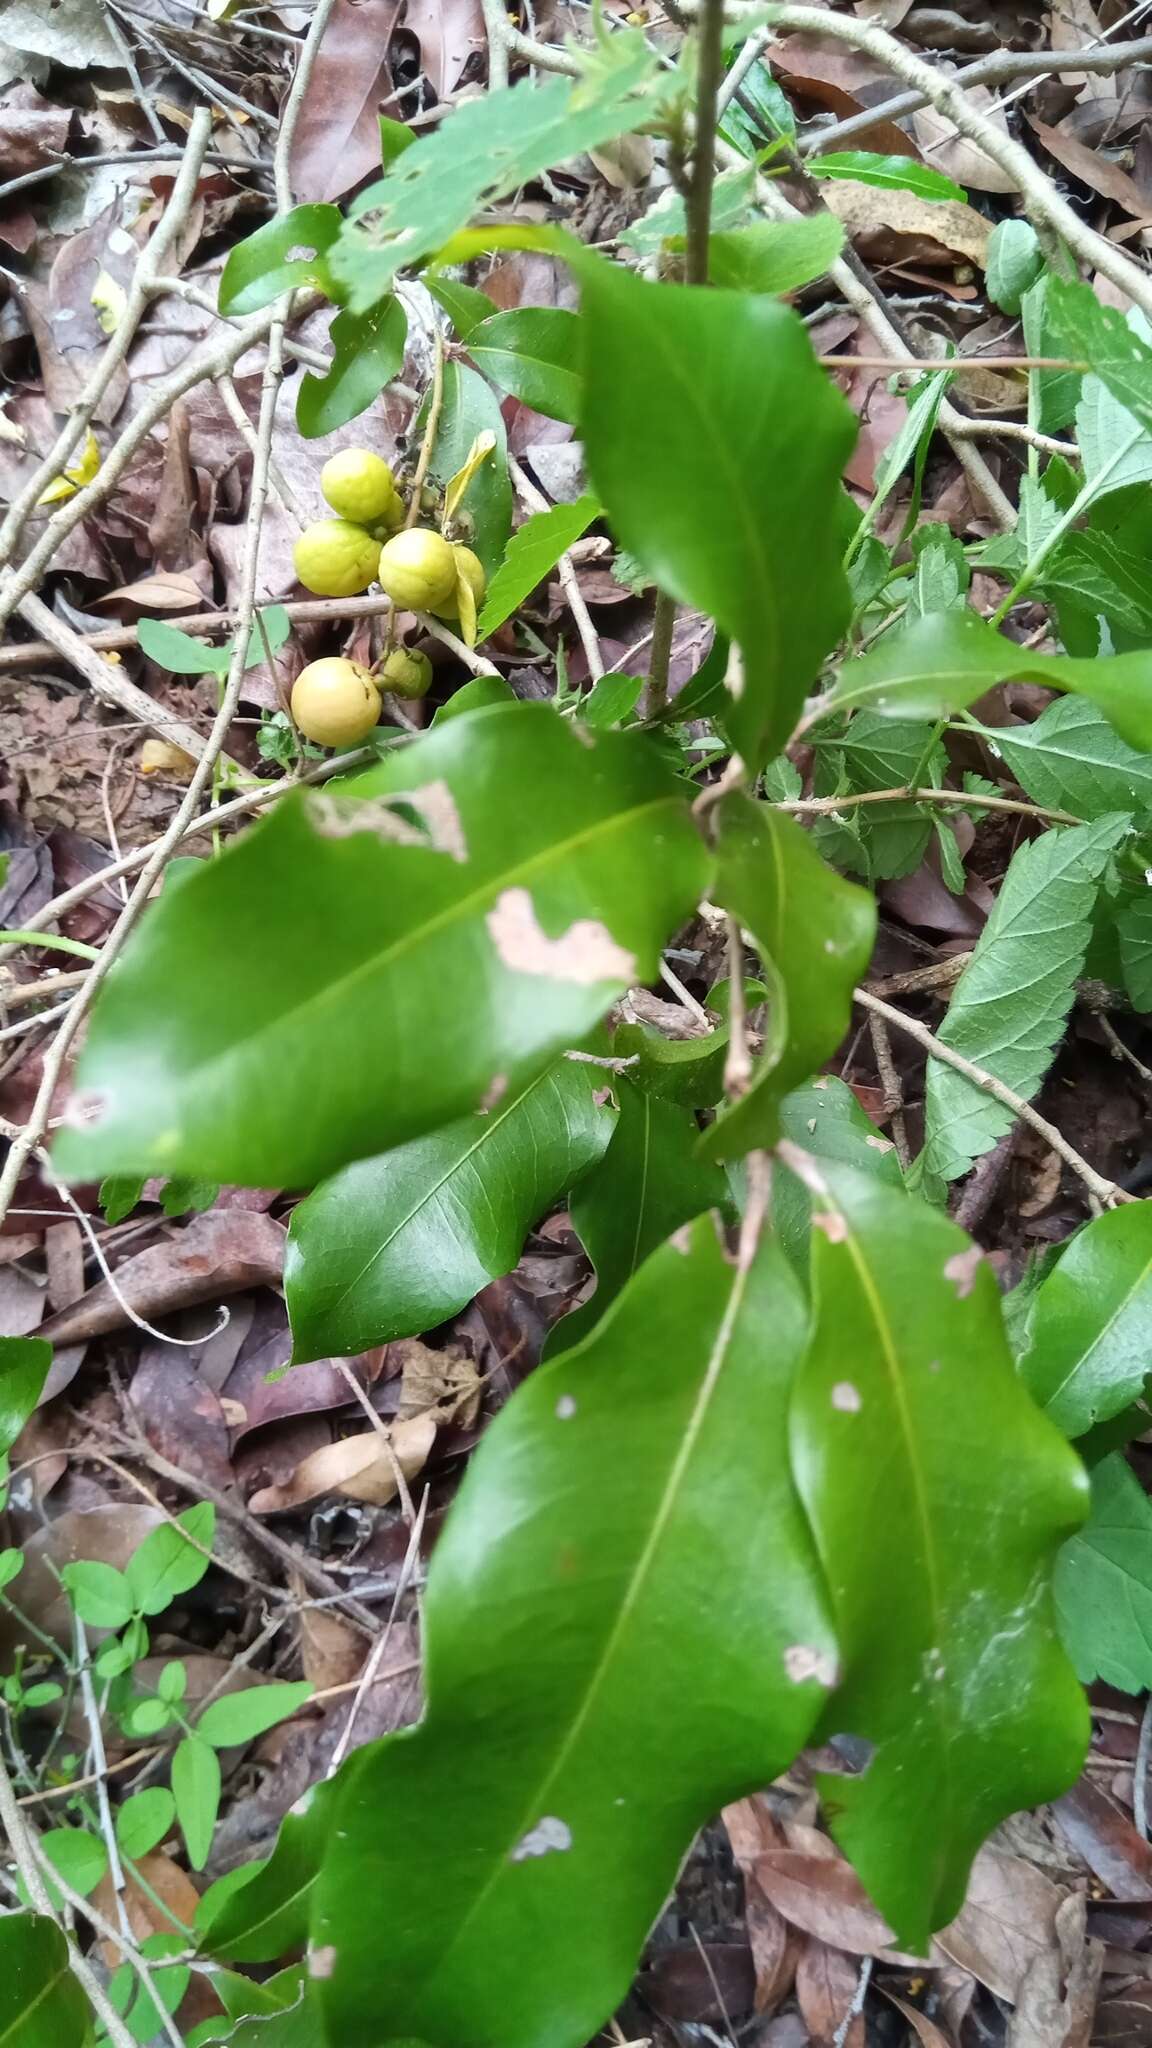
(1105, 1329)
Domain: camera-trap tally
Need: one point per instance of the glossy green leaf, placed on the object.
(627, 1520)
(888, 173)
(196, 1791)
(649, 1182)
(490, 147)
(533, 352)
(279, 2013)
(338, 946)
(825, 1119)
(367, 352)
(470, 407)
(24, 1363)
(1090, 1331)
(531, 555)
(1009, 1005)
(814, 933)
(697, 406)
(945, 662)
(1104, 1583)
(41, 2003)
(937, 1494)
(1015, 262)
(259, 1913)
(775, 256)
(477, 695)
(396, 1244)
(1071, 759)
(289, 251)
(465, 306)
(167, 1563)
(610, 701)
(144, 1820)
(100, 1594)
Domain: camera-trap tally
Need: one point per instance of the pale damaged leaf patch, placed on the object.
(548, 1835)
(801, 1662)
(341, 817)
(586, 953)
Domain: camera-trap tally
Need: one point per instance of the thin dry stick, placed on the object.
(431, 428)
(98, 1758)
(497, 25)
(738, 1061)
(890, 1083)
(831, 806)
(589, 638)
(376, 1658)
(1104, 1191)
(1140, 1773)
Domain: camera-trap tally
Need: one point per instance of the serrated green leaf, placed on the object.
(732, 199)
(367, 352)
(531, 555)
(533, 352)
(630, 1506)
(196, 1791)
(945, 662)
(1134, 932)
(649, 1182)
(760, 112)
(1009, 1005)
(1015, 262)
(397, 1244)
(775, 256)
(1103, 337)
(339, 944)
(489, 148)
(1070, 759)
(814, 933)
(1055, 393)
(1090, 1330)
(242, 1716)
(1103, 1583)
(167, 1563)
(288, 252)
(888, 173)
(886, 841)
(937, 1494)
(24, 1363)
(1090, 569)
(41, 2003)
(697, 405)
(942, 575)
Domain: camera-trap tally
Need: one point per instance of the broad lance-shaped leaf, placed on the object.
(624, 1630)
(938, 1494)
(532, 553)
(814, 932)
(716, 444)
(649, 1182)
(24, 1363)
(396, 1244)
(1104, 1583)
(945, 662)
(1010, 1003)
(376, 961)
(41, 2003)
(1090, 1329)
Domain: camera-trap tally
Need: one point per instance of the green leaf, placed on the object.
(11, 1565)
(279, 2013)
(610, 701)
(880, 842)
(761, 111)
(167, 1564)
(716, 444)
(732, 200)
(825, 1119)
(910, 445)
(1009, 1005)
(100, 1594)
(1134, 932)
(119, 1195)
(1070, 759)
(242, 1716)
(489, 148)
(1104, 339)
(144, 1820)
(937, 1494)
(685, 1070)
(532, 352)
(942, 576)
(476, 695)
(814, 933)
(464, 305)
(1015, 262)
(338, 946)
(945, 662)
(1090, 1332)
(396, 1244)
(196, 1791)
(889, 173)
(260, 1912)
(178, 1197)
(24, 1363)
(1093, 572)
(630, 1510)
(76, 1856)
(41, 2003)
(367, 352)
(775, 256)
(531, 555)
(179, 653)
(1104, 1583)
(289, 251)
(470, 407)
(1055, 393)
(648, 1183)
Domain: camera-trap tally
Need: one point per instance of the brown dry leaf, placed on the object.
(168, 1881)
(844, 81)
(212, 1256)
(1112, 1848)
(1057, 2001)
(337, 139)
(926, 2031)
(1007, 1920)
(947, 222)
(331, 1650)
(22, 1302)
(179, 1414)
(947, 150)
(358, 1467)
(32, 131)
(775, 1944)
(1096, 171)
(821, 1893)
(170, 590)
(1075, 25)
(446, 1380)
(64, 1262)
(450, 34)
(826, 1982)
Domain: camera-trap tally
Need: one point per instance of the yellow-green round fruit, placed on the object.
(406, 675)
(361, 487)
(335, 558)
(471, 568)
(418, 570)
(335, 702)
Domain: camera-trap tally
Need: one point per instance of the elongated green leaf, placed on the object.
(1104, 1583)
(628, 1519)
(367, 352)
(534, 353)
(1090, 1331)
(289, 251)
(1055, 392)
(280, 2013)
(470, 407)
(489, 148)
(775, 255)
(532, 554)
(716, 444)
(242, 1716)
(944, 662)
(1010, 1003)
(814, 933)
(1071, 759)
(24, 1363)
(825, 1119)
(464, 305)
(648, 1183)
(396, 1244)
(168, 1563)
(256, 1914)
(299, 1003)
(41, 2003)
(196, 1790)
(889, 173)
(938, 1495)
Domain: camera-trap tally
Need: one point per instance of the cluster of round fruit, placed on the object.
(336, 702)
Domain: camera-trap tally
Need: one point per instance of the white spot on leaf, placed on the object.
(681, 1240)
(322, 1961)
(962, 1269)
(586, 953)
(880, 1144)
(565, 1407)
(495, 1092)
(801, 1663)
(300, 253)
(846, 1398)
(547, 1835)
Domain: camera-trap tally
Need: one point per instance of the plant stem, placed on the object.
(431, 429)
(660, 654)
(709, 78)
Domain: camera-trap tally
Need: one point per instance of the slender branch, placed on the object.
(831, 806)
(431, 428)
(566, 570)
(497, 25)
(660, 655)
(709, 75)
